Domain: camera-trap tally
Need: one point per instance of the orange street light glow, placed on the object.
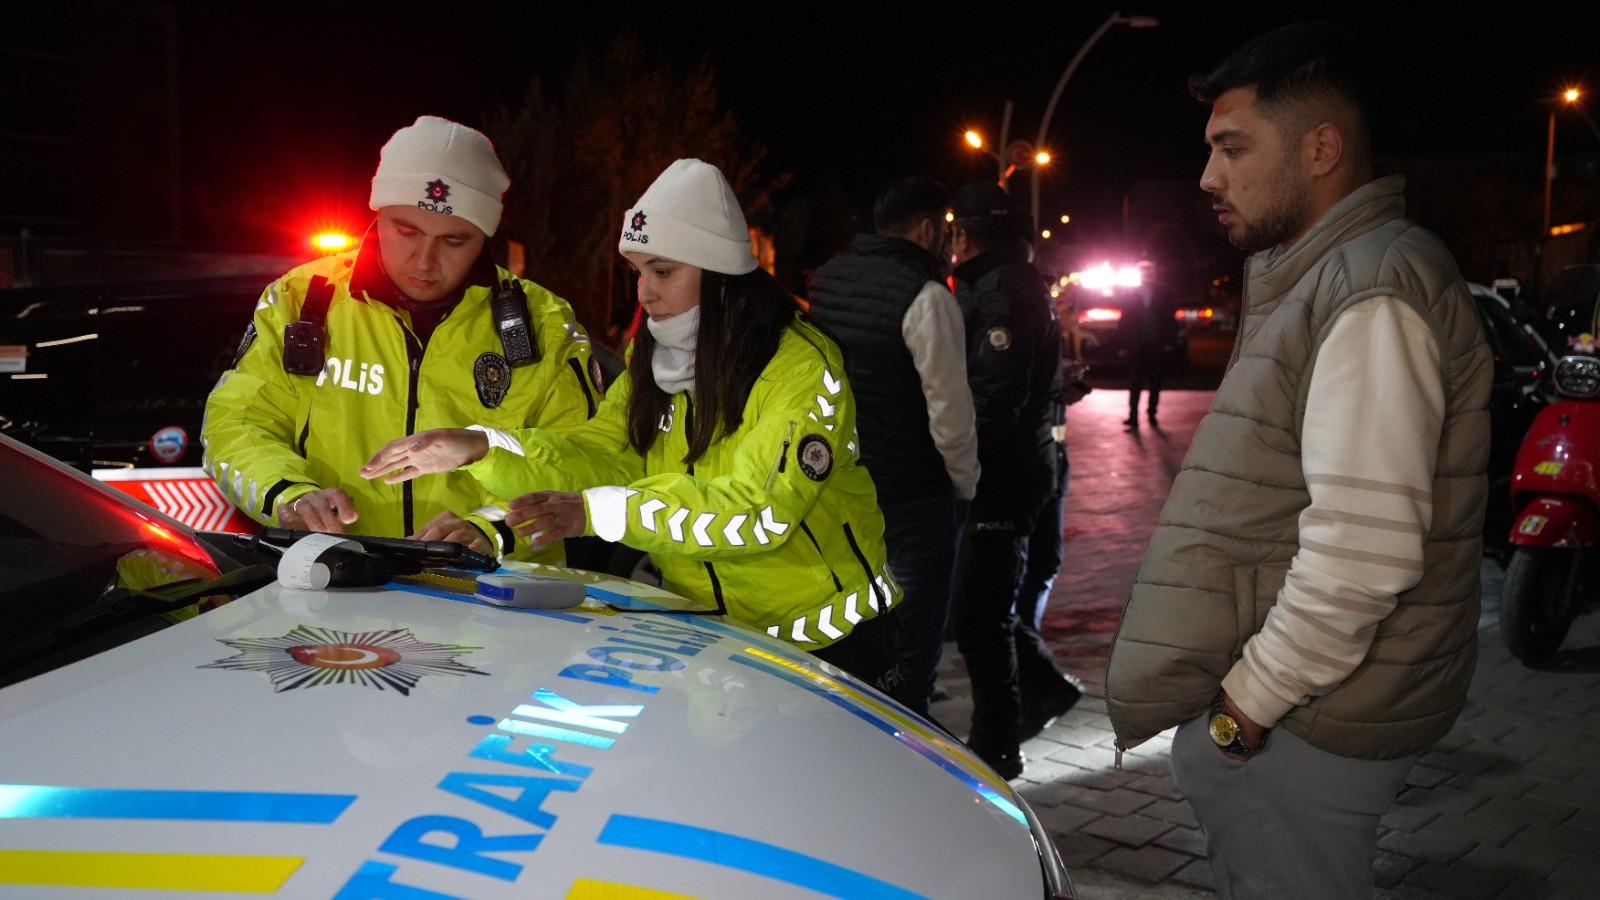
(974, 139)
(1042, 159)
(1065, 219)
(1045, 233)
(1571, 95)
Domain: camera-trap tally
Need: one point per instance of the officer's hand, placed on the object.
(447, 526)
(329, 509)
(427, 453)
(548, 516)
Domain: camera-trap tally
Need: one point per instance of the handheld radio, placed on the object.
(509, 306)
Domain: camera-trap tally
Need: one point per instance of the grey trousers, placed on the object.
(1291, 821)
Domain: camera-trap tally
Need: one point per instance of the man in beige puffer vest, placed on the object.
(1306, 612)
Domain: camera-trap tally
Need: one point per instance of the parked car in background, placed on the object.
(1570, 309)
(178, 719)
(112, 379)
(116, 375)
(1091, 305)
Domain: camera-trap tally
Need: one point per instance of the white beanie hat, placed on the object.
(690, 215)
(442, 166)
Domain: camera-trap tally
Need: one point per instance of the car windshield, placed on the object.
(66, 542)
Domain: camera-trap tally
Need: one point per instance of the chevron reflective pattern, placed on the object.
(189, 495)
(826, 620)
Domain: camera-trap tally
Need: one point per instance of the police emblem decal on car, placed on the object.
(815, 457)
(311, 657)
(493, 377)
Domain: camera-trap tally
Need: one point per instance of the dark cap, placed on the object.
(984, 200)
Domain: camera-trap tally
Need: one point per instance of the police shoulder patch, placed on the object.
(999, 337)
(815, 457)
(493, 377)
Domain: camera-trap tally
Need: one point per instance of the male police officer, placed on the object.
(1013, 366)
(415, 329)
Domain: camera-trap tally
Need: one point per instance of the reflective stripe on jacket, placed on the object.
(777, 523)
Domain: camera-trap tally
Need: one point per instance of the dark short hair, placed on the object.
(1306, 61)
(905, 202)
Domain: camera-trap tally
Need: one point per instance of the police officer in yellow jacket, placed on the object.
(416, 329)
(727, 451)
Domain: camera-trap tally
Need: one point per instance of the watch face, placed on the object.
(1224, 730)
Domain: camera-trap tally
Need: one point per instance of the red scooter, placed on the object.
(1555, 490)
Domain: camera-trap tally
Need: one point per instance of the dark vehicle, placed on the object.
(1093, 329)
(1522, 364)
(1570, 316)
(1555, 565)
(101, 376)
(116, 375)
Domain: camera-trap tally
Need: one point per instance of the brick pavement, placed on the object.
(1506, 807)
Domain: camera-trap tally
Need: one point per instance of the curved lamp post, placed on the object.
(1111, 21)
(1569, 97)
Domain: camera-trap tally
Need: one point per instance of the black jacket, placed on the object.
(862, 298)
(1013, 365)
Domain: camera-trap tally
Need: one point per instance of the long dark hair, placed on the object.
(742, 318)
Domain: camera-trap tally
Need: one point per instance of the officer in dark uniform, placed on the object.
(1013, 358)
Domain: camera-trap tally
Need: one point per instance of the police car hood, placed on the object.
(351, 742)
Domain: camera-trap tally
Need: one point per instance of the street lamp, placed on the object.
(1018, 154)
(1569, 97)
(1116, 18)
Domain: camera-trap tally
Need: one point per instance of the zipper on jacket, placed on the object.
(688, 426)
(716, 589)
(872, 582)
(588, 395)
(1105, 679)
(1244, 308)
(836, 583)
(305, 433)
(414, 351)
(783, 456)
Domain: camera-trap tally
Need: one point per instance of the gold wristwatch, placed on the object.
(1227, 734)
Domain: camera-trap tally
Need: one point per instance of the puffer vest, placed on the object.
(861, 298)
(1230, 526)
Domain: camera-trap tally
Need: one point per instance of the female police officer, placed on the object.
(727, 450)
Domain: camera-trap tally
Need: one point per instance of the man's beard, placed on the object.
(1283, 221)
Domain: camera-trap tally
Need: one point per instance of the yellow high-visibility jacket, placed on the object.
(777, 523)
(270, 437)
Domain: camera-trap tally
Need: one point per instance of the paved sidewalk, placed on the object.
(1507, 806)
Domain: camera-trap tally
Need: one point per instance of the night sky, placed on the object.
(288, 103)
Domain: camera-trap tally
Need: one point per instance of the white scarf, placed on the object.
(673, 361)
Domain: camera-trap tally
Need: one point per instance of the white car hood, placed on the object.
(682, 756)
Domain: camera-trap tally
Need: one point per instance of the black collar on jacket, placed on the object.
(897, 247)
(989, 260)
